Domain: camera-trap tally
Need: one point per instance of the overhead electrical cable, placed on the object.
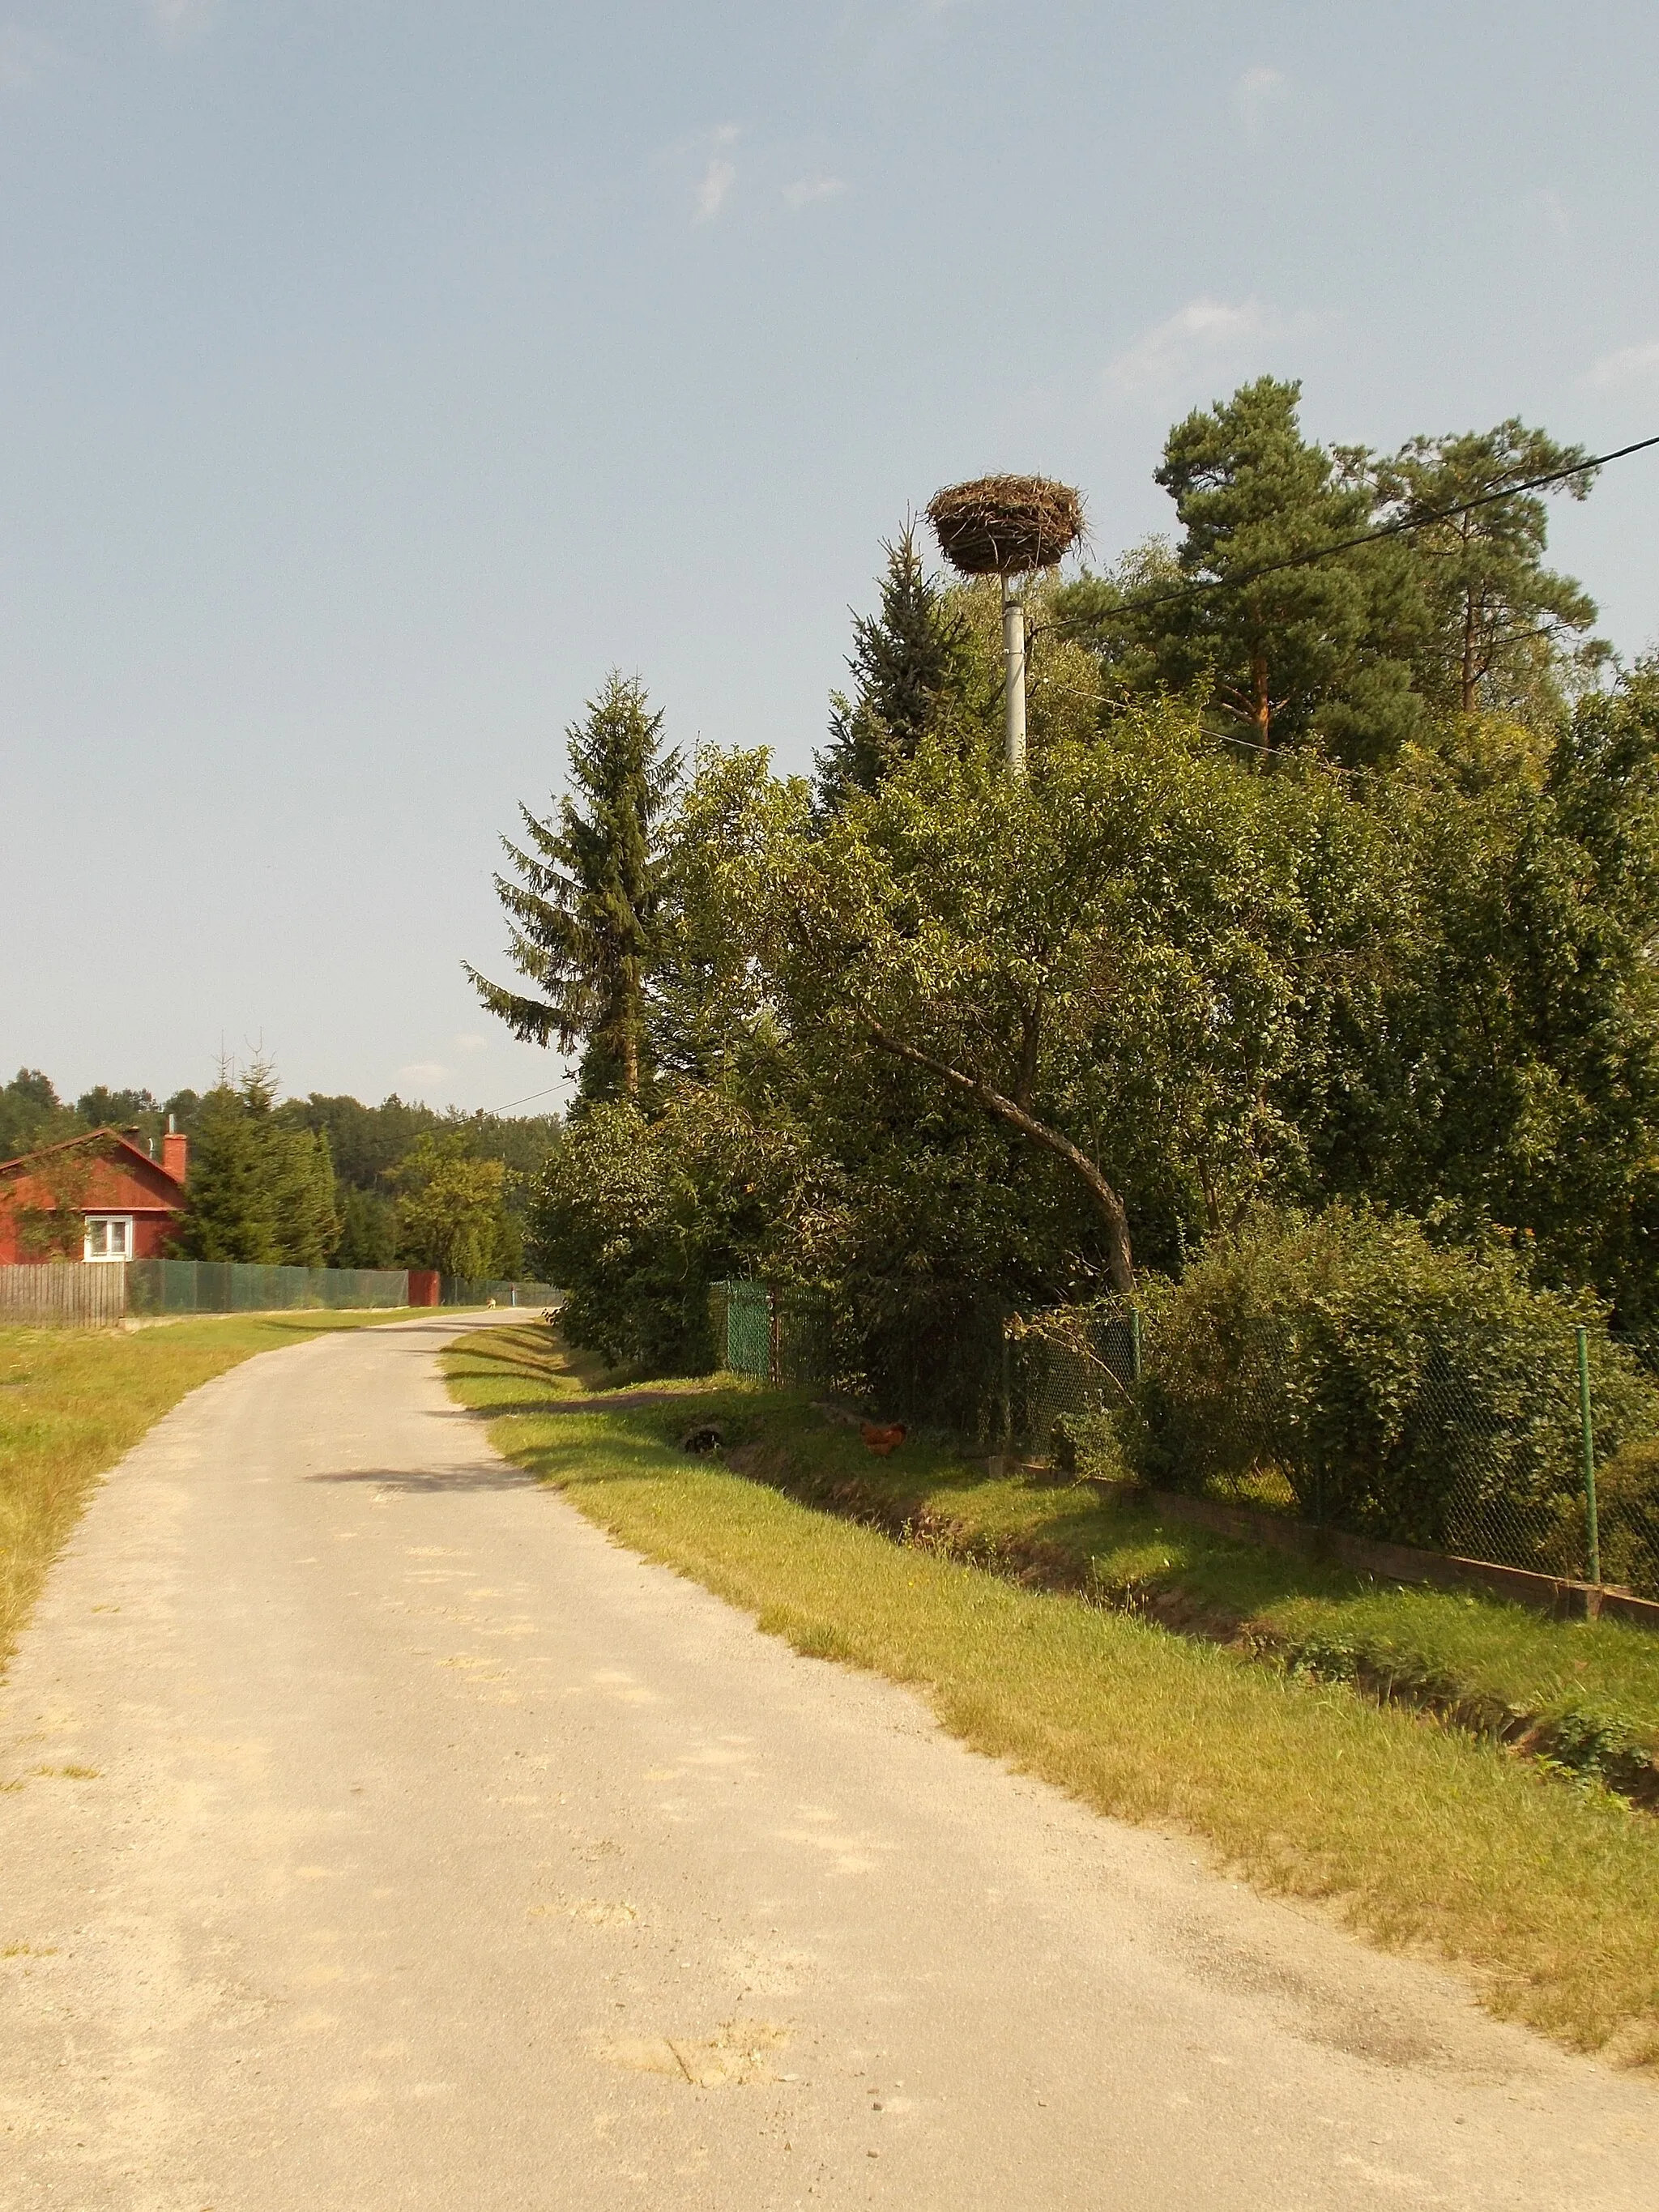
(1398, 528)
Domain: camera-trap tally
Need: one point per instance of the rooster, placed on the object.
(881, 1441)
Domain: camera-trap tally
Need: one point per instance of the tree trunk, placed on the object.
(1119, 1260)
(1262, 713)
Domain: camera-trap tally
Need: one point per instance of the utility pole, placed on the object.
(1010, 527)
(1013, 659)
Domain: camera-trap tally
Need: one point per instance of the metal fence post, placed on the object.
(1588, 1431)
(1134, 1343)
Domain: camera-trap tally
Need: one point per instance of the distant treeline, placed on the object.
(383, 1181)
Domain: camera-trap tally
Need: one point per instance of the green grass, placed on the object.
(1584, 1694)
(1427, 1835)
(72, 1400)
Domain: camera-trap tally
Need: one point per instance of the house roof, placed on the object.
(136, 1152)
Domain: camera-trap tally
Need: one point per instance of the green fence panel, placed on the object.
(749, 1330)
(487, 1291)
(183, 1286)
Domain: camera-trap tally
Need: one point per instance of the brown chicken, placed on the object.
(881, 1441)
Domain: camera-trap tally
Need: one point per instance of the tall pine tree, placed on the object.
(585, 906)
(1318, 652)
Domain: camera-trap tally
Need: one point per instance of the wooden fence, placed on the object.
(64, 1294)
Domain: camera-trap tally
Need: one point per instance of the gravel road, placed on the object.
(377, 1834)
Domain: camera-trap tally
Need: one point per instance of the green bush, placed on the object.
(1401, 1389)
(1627, 1501)
(635, 1218)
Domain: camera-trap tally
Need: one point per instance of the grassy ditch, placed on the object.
(1426, 1835)
(1580, 1696)
(72, 1400)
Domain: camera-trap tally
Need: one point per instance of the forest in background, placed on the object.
(319, 1181)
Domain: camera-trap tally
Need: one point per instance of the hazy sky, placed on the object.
(376, 374)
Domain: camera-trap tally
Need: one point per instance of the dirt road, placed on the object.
(381, 1836)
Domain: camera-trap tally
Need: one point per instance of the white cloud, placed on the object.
(423, 1071)
(467, 1041)
(1203, 334)
(806, 192)
(1257, 91)
(718, 177)
(1630, 364)
(177, 20)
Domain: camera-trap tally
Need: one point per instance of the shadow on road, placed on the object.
(432, 1480)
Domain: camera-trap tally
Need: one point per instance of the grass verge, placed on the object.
(1581, 1697)
(72, 1400)
(1425, 1835)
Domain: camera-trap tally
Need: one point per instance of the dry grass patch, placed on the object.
(1549, 1895)
(73, 1401)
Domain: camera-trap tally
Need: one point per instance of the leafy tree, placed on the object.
(1116, 964)
(1513, 1074)
(585, 906)
(710, 1011)
(1499, 618)
(635, 1217)
(32, 1113)
(102, 1107)
(452, 1211)
(911, 670)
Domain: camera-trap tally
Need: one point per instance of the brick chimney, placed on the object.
(175, 1152)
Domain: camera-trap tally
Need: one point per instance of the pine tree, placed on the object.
(1321, 651)
(909, 665)
(1500, 618)
(584, 909)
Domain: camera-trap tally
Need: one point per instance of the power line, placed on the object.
(1395, 529)
(524, 1100)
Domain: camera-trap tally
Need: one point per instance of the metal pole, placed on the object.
(1013, 656)
(1588, 1431)
(1135, 1341)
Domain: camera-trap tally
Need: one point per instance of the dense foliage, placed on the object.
(1331, 885)
(1403, 1389)
(259, 1191)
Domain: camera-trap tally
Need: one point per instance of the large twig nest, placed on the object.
(1005, 525)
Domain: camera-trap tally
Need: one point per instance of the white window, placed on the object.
(109, 1237)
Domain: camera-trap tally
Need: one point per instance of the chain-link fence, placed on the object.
(1535, 1448)
(182, 1286)
(492, 1290)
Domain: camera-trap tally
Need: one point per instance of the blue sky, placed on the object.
(376, 374)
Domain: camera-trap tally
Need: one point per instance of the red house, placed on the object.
(126, 1203)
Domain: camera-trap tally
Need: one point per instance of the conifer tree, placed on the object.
(261, 1190)
(1321, 651)
(909, 665)
(585, 905)
(1499, 618)
(227, 1210)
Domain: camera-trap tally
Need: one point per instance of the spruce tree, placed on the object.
(909, 666)
(585, 906)
(229, 1212)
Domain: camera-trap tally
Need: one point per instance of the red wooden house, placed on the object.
(125, 1203)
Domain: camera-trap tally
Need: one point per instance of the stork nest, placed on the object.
(1005, 525)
